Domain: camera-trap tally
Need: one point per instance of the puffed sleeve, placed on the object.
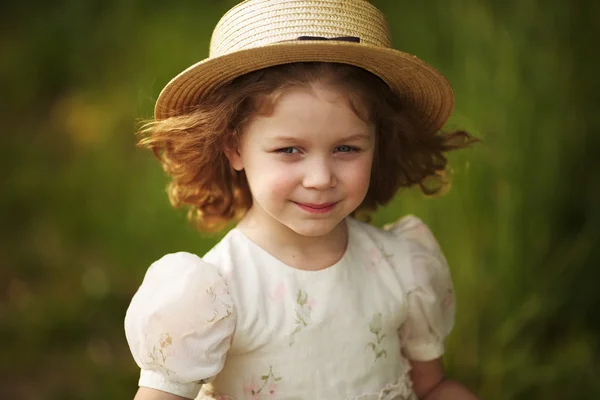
(430, 294)
(179, 324)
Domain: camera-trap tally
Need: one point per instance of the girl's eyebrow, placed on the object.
(357, 136)
(286, 138)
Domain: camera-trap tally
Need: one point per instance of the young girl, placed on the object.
(302, 118)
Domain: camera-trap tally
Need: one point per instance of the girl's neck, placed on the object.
(297, 251)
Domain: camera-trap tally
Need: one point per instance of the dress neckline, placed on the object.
(327, 270)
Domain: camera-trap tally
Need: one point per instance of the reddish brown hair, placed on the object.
(190, 147)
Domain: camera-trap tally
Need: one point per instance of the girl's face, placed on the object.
(308, 163)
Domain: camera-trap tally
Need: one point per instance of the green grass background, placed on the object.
(83, 212)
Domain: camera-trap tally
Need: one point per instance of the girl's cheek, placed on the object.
(277, 177)
(359, 173)
(284, 179)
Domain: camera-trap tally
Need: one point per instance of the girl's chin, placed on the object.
(314, 228)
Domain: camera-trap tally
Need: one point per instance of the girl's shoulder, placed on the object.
(407, 246)
(178, 283)
(228, 252)
(179, 324)
(408, 230)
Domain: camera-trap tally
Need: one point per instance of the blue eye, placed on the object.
(346, 149)
(288, 150)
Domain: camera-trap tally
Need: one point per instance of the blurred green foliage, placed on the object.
(84, 212)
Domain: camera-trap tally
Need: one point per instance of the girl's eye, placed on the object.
(346, 149)
(288, 150)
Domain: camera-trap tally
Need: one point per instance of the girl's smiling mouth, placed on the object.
(317, 208)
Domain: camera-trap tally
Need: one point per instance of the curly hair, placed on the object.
(191, 146)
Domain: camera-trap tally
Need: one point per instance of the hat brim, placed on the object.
(423, 89)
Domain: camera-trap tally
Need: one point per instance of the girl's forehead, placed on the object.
(316, 113)
(315, 92)
(317, 99)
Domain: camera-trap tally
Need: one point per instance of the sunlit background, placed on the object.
(84, 212)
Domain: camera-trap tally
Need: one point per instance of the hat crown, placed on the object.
(256, 23)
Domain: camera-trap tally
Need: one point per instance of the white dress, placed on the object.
(240, 324)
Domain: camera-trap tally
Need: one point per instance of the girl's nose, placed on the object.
(319, 175)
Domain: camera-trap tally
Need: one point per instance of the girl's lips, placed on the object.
(317, 208)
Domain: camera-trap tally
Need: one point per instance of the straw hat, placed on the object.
(257, 34)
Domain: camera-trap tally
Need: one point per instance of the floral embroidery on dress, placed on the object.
(302, 320)
(220, 309)
(378, 254)
(158, 356)
(279, 293)
(375, 328)
(268, 387)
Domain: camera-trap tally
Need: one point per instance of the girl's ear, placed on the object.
(234, 157)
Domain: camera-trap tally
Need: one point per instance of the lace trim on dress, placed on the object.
(400, 390)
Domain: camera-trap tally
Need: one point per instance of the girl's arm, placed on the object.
(145, 393)
(429, 382)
